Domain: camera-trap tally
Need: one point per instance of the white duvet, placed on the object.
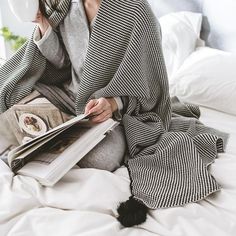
(84, 202)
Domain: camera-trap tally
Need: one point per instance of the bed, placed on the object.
(84, 201)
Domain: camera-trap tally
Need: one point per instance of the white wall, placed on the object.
(9, 20)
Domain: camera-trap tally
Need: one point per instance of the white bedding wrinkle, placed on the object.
(84, 201)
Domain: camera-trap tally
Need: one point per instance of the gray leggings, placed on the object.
(109, 153)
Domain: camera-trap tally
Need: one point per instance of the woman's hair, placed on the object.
(53, 4)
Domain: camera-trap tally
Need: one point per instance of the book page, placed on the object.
(33, 116)
(65, 151)
(17, 155)
(50, 151)
(24, 150)
(30, 121)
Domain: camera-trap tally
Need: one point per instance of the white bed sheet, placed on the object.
(84, 202)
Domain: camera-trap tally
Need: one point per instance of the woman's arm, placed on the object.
(49, 44)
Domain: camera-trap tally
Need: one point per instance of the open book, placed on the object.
(38, 140)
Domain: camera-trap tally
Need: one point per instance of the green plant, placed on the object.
(15, 41)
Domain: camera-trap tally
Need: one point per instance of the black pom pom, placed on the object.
(132, 212)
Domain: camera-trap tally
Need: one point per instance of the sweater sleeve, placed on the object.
(50, 47)
(119, 112)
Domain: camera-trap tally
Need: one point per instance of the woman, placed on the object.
(75, 31)
(77, 26)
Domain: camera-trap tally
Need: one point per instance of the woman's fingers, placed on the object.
(38, 18)
(97, 112)
(42, 22)
(99, 109)
(105, 118)
(102, 117)
(89, 105)
(102, 104)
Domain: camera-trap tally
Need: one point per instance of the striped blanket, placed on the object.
(169, 153)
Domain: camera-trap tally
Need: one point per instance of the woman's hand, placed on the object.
(101, 109)
(42, 23)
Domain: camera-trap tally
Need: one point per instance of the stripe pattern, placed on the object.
(169, 149)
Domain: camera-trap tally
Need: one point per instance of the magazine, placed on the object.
(38, 140)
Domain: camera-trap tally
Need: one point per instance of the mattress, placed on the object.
(84, 202)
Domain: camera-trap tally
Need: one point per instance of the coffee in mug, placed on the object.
(24, 10)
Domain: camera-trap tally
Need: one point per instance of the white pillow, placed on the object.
(207, 78)
(180, 36)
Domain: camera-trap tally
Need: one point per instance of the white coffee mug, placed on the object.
(24, 10)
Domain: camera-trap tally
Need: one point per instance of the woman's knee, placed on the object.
(109, 153)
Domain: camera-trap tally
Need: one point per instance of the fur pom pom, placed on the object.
(132, 212)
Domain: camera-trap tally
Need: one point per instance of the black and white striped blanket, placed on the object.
(169, 153)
